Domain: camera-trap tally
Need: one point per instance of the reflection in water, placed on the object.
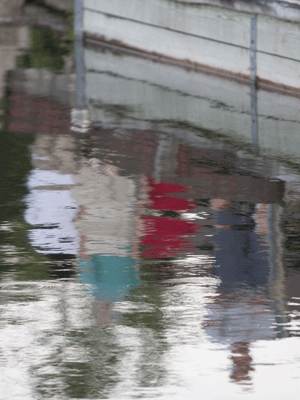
(241, 362)
(50, 207)
(109, 276)
(241, 253)
(136, 264)
(238, 319)
(164, 277)
(241, 312)
(165, 234)
(51, 212)
(105, 222)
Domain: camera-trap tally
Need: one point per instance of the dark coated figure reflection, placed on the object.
(241, 313)
(241, 249)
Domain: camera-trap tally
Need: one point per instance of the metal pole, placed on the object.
(253, 92)
(253, 45)
(79, 55)
(78, 19)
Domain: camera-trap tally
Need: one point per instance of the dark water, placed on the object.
(136, 264)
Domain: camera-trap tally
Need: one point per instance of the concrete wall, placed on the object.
(288, 10)
(12, 39)
(64, 5)
(130, 91)
(10, 7)
(210, 36)
(43, 83)
(278, 51)
(13, 7)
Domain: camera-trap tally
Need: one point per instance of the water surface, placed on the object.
(138, 262)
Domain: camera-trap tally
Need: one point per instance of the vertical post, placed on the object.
(79, 115)
(277, 280)
(253, 45)
(253, 92)
(79, 54)
(160, 152)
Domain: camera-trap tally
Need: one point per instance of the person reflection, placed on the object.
(240, 249)
(166, 234)
(109, 278)
(102, 311)
(240, 314)
(105, 223)
(242, 362)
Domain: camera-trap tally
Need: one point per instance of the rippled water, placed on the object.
(135, 263)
